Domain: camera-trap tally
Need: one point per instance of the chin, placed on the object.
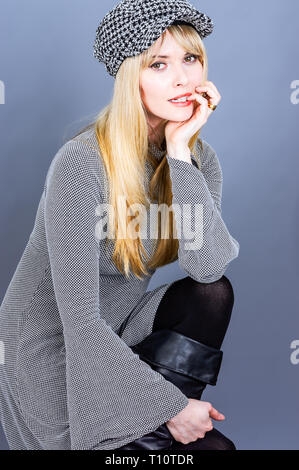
(177, 115)
(180, 115)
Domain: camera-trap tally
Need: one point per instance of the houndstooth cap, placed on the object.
(132, 26)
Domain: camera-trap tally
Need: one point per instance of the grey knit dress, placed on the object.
(68, 377)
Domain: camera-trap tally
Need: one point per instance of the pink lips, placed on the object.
(180, 96)
(182, 104)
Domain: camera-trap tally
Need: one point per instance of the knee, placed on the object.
(227, 444)
(227, 288)
(221, 289)
(222, 442)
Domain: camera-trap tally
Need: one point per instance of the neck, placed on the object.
(157, 135)
(158, 140)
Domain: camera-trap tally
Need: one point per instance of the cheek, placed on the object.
(197, 75)
(146, 91)
(154, 93)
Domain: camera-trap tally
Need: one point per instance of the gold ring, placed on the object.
(212, 106)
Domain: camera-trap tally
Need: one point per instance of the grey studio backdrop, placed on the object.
(51, 86)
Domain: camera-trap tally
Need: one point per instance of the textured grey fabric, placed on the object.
(69, 380)
(132, 26)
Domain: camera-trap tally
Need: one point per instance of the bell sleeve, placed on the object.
(205, 245)
(113, 397)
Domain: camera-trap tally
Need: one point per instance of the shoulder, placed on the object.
(78, 159)
(79, 152)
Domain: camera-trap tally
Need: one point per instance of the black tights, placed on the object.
(197, 310)
(202, 312)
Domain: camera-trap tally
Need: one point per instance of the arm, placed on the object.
(212, 171)
(113, 397)
(192, 186)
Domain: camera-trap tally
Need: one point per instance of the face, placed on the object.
(167, 78)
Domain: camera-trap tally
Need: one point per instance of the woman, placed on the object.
(92, 359)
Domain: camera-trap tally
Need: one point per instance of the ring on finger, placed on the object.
(208, 98)
(212, 106)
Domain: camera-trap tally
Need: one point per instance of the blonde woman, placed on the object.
(92, 359)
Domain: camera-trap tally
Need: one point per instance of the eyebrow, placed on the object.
(164, 56)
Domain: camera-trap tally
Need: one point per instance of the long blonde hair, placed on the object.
(122, 132)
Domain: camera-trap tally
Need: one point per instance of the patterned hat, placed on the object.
(132, 26)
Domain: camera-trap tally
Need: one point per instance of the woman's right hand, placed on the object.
(193, 421)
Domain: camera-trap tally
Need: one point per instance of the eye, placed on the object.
(187, 57)
(193, 55)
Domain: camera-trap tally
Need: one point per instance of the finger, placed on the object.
(208, 89)
(211, 85)
(213, 97)
(215, 414)
(201, 108)
(205, 102)
(200, 99)
(212, 94)
(210, 424)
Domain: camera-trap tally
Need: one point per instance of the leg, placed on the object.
(197, 310)
(202, 312)
(192, 318)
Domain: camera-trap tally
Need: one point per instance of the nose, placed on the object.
(180, 76)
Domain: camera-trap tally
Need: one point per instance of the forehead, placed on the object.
(169, 47)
